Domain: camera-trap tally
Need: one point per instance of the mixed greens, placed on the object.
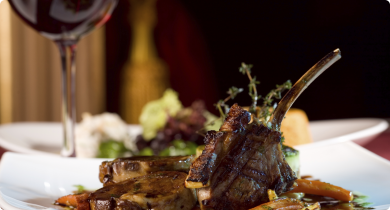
(112, 149)
(177, 131)
(169, 128)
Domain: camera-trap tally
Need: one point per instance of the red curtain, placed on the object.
(180, 43)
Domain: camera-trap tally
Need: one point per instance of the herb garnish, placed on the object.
(233, 92)
(80, 188)
(246, 69)
(137, 186)
(260, 113)
(269, 99)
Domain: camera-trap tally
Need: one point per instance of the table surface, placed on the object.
(380, 146)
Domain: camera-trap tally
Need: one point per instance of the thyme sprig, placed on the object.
(260, 114)
(221, 104)
(222, 107)
(268, 106)
(246, 69)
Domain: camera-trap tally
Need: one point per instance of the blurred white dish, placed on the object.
(46, 138)
(361, 130)
(40, 180)
(40, 138)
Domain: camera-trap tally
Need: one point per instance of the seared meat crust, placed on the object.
(217, 145)
(202, 168)
(157, 190)
(121, 169)
(237, 119)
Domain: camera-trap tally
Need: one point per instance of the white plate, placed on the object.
(360, 130)
(40, 180)
(39, 138)
(46, 138)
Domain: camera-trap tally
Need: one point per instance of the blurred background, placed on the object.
(196, 48)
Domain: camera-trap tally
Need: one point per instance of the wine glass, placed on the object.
(65, 22)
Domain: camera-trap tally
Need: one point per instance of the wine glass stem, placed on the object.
(68, 53)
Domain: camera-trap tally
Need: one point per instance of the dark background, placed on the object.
(282, 39)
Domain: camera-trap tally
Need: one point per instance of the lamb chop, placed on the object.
(242, 161)
(137, 183)
(162, 190)
(121, 169)
(250, 162)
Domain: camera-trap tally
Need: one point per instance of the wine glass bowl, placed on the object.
(61, 20)
(65, 22)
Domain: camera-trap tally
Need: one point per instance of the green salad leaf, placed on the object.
(147, 151)
(180, 148)
(112, 149)
(213, 122)
(154, 114)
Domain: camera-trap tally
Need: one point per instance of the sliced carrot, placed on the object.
(281, 204)
(322, 188)
(67, 200)
(80, 201)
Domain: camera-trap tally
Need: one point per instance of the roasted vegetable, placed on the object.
(322, 188)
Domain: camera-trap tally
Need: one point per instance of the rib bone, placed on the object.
(292, 95)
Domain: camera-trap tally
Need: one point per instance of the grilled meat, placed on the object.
(156, 190)
(202, 169)
(217, 145)
(122, 169)
(247, 162)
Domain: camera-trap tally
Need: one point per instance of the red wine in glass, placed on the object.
(64, 19)
(65, 22)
